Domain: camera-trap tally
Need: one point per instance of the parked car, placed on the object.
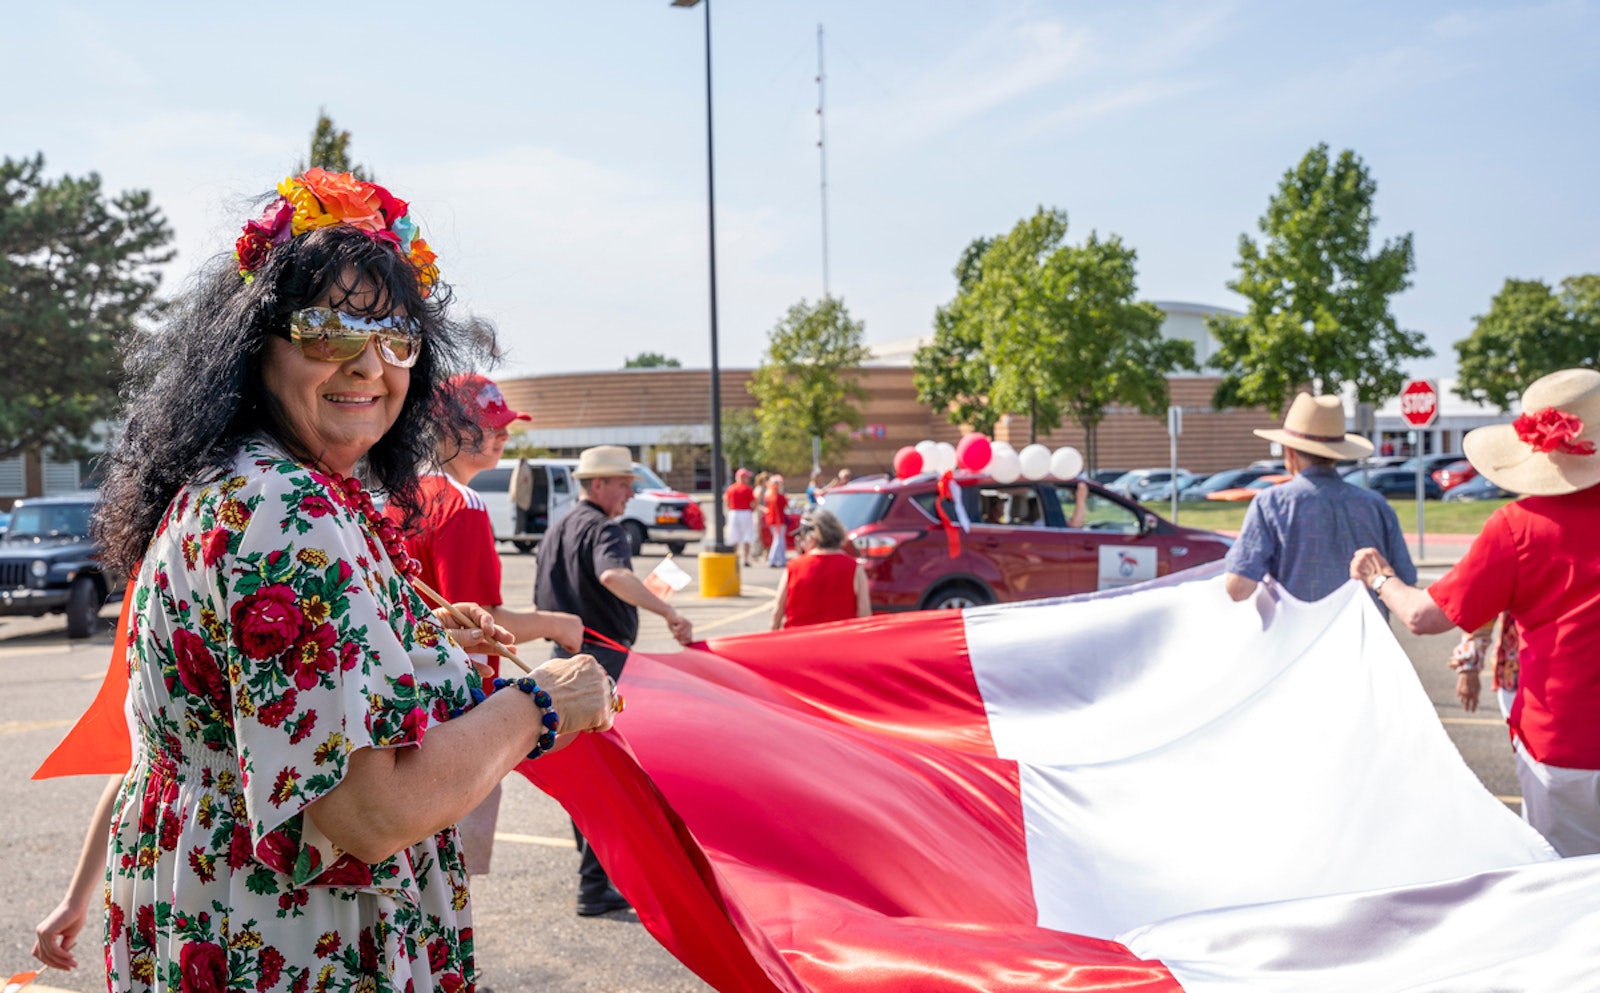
(1454, 474)
(1105, 477)
(50, 565)
(5, 521)
(1246, 493)
(1477, 488)
(1017, 545)
(1401, 483)
(657, 512)
(1138, 483)
(1431, 463)
(1227, 479)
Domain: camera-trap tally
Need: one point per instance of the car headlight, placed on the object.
(40, 568)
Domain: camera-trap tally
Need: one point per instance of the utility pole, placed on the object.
(822, 150)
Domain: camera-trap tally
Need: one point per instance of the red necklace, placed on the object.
(385, 529)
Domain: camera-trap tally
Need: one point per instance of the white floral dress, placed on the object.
(271, 637)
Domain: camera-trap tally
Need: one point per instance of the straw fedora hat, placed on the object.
(1550, 449)
(604, 460)
(1315, 425)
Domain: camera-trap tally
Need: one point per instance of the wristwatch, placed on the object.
(1377, 581)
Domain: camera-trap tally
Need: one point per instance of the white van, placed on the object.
(656, 512)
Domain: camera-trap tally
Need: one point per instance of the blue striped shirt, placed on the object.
(1304, 532)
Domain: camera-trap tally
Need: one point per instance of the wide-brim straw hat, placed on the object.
(1561, 414)
(604, 461)
(1315, 425)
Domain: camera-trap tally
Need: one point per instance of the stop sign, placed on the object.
(1419, 403)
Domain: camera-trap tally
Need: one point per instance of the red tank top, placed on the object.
(820, 588)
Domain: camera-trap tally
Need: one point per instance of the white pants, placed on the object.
(741, 527)
(1561, 804)
(777, 558)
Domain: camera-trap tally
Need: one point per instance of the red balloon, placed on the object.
(907, 462)
(973, 452)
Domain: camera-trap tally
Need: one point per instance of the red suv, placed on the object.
(1018, 546)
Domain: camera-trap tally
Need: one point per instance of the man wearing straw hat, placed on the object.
(1303, 532)
(1539, 558)
(585, 568)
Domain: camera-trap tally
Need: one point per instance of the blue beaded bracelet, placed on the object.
(541, 699)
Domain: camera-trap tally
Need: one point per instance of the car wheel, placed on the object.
(958, 595)
(677, 547)
(524, 546)
(635, 536)
(83, 607)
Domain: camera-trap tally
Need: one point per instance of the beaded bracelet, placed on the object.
(541, 699)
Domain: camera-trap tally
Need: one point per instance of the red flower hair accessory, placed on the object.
(1552, 430)
(319, 199)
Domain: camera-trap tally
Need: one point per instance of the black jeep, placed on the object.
(49, 564)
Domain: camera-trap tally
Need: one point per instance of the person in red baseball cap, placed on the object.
(454, 543)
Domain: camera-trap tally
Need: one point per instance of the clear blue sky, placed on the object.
(555, 153)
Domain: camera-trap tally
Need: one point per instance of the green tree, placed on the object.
(741, 439)
(330, 150)
(951, 372)
(651, 360)
(1057, 332)
(1318, 297)
(78, 269)
(806, 385)
(1529, 331)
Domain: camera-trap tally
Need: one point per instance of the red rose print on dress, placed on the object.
(198, 669)
(266, 622)
(203, 968)
(272, 963)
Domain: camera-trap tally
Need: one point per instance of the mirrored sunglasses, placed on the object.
(328, 335)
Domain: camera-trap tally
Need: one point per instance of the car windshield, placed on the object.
(1227, 479)
(50, 520)
(644, 479)
(856, 509)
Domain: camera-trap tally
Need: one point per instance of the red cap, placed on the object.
(481, 394)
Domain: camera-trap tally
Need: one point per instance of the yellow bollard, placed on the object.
(719, 574)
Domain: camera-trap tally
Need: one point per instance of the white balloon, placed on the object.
(929, 451)
(944, 456)
(996, 447)
(1035, 461)
(1005, 467)
(1066, 463)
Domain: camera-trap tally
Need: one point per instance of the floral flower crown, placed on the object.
(319, 199)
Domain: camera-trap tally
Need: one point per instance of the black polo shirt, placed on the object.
(571, 559)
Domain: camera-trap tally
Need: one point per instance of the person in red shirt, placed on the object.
(1539, 558)
(454, 544)
(741, 501)
(822, 583)
(776, 519)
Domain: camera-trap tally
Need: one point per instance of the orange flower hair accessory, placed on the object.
(318, 199)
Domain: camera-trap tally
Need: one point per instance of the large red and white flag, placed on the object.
(1150, 790)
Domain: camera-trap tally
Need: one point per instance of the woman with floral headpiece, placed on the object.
(307, 732)
(1537, 558)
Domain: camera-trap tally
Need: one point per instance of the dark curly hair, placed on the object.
(194, 391)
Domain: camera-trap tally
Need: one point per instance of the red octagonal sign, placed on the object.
(1419, 403)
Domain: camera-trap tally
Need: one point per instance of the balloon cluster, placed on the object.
(996, 459)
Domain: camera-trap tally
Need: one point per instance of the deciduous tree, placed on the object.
(1318, 297)
(1529, 331)
(741, 439)
(78, 269)
(807, 384)
(651, 360)
(952, 372)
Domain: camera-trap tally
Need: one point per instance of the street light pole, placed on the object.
(717, 479)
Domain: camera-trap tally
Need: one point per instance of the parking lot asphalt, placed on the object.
(527, 933)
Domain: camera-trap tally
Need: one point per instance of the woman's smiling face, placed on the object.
(336, 411)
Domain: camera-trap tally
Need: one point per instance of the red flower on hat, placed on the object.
(1551, 430)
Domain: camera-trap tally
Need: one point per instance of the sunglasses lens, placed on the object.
(328, 335)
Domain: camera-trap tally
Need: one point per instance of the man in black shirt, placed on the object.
(584, 564)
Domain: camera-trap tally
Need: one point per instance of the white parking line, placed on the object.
(535, 839)
(17, 727)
